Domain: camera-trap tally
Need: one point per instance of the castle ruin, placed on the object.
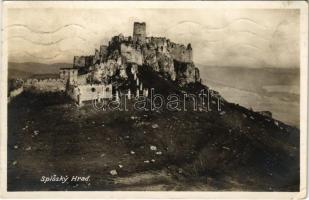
(98, 75)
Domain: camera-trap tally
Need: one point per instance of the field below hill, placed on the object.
(233, 150)
(273, 89)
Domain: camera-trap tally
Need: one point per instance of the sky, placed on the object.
(231, 37)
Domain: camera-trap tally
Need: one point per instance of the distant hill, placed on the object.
(15, 73)
(30, 68)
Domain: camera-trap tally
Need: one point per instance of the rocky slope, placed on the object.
(172, 60)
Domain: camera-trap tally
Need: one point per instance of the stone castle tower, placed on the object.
(139, 32)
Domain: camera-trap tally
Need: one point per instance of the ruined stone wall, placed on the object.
(186, 72)
(105, 70)
(45, 85)
(139, 32)
(131, 55)
(150, 58)
(160, 61)
(89, 92)
(73, 92)
(160, 44)
(82, 79)
(15, 93)
(69, 74)
(180, 52)
(64, 74)
(79, 61)
(83, 61)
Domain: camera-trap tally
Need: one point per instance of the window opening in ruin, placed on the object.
(93, 89)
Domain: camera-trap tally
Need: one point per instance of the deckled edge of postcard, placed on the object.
(301, 5)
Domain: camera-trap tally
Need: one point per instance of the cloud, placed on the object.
(246, 37)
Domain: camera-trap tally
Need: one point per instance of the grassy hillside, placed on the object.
(234, 149)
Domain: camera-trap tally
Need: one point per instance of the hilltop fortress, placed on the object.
(158, 52)
(100, 75)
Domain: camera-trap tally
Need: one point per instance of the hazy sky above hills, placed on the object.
(248, 37)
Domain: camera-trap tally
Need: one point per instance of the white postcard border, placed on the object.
(303, 6)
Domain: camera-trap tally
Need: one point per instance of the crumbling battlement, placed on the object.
(181, 53)
(178, 52)
(83, 61)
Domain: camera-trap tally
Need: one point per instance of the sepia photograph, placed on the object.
(170, 96)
